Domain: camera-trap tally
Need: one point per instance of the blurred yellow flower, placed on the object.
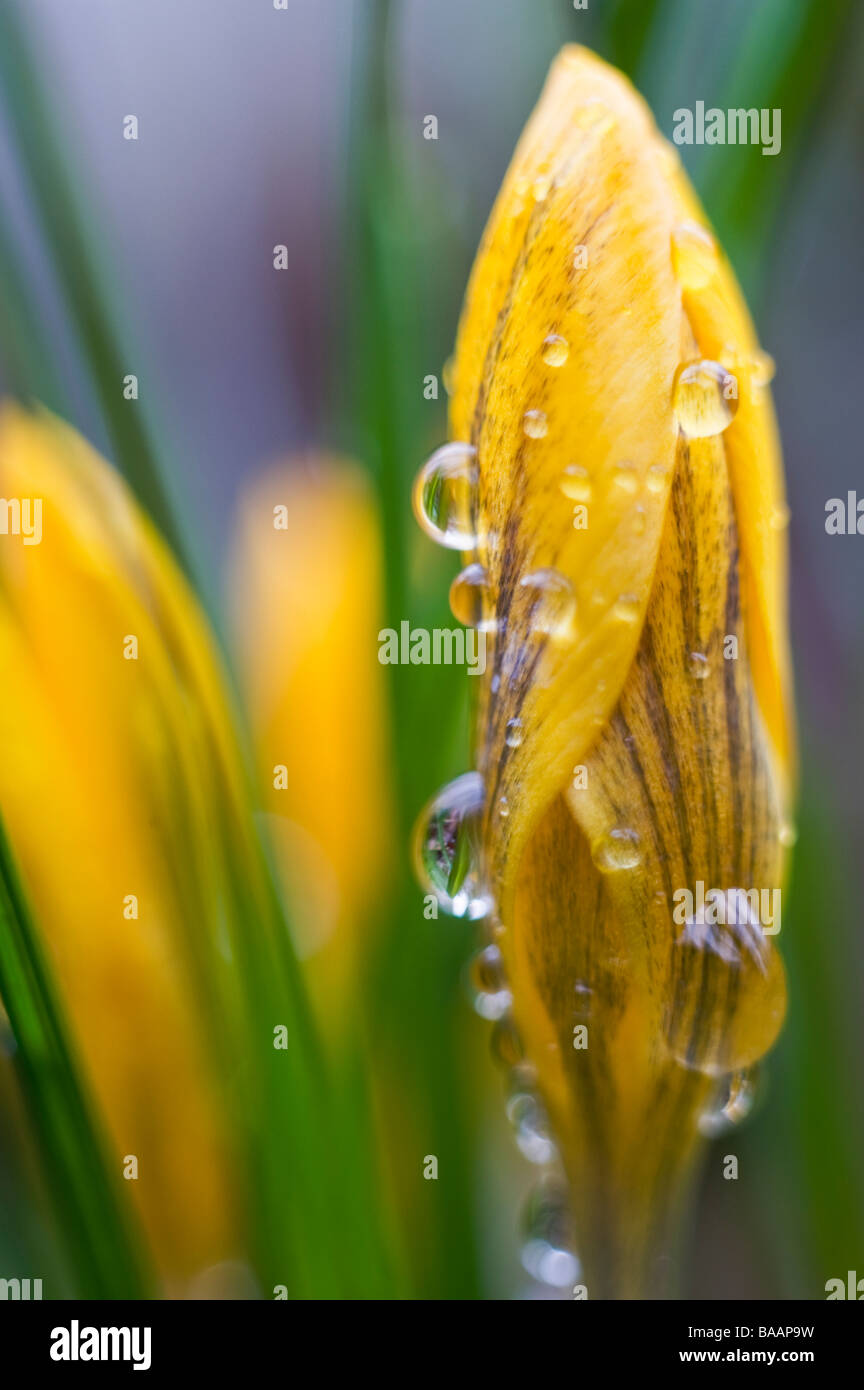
(634, 729)
(112, 720)
(306, 596)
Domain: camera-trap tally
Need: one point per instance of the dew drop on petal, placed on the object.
(705, 398)
(576, 483)
(534, 424)
(698, 666)
(626, 608)
(472, 598)
(513, 735)
(445, 496)
(620, 849)
(555, 350)
(553, 604)
(728, 994)
(694, 256)
(447, 848)
(655, 478)
(626, 478)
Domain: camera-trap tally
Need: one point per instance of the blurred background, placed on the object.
(303, 128)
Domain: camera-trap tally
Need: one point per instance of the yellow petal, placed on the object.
(104, 765)
(630, 518)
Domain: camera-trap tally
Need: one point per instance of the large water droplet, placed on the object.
(555, 350)
(728, 996)
(445, 496)
(694, 256)
(472, 598)
(447, 847)
(553, 604)
(620, 849)
(547, 1254)
(705, 398)
(534, 424)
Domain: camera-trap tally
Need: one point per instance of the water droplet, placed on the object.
(787, 835)
(534, 424)
(694, 256)
(506, 1043)
(627, 608)
(541, 187)
(625, 478)
(728, 995)
(492, 998)
(503, 807)
(698, 666)
(620, 849)
(448, 375)
(576, 483)
(779, 517)
(582, 994)
(513, 736)
(472, 598)
(447, 847)
(444, 496)
(655, 478)
(495, 683)
(528, 1118)
(555, 350)
(547, 1254)
(732, 1104)
(762, 369)
(705, 398)
(640, 521)
(553, 605)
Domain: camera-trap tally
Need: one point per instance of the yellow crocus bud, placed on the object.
(306, 598)
(615, 475)
(112, 721)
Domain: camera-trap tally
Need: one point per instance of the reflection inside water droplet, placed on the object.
(445, 496)
(447, 847)
(733, 1103)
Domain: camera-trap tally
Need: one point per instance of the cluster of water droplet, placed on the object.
(447, 846)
